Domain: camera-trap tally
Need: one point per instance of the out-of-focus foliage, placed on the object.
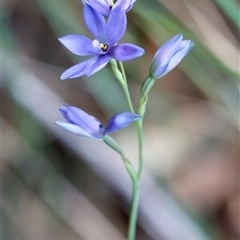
(59, 186)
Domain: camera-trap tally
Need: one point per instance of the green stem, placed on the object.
(135, 199)
(140, 146)
(134, 210)
(127, 94)
(135, 180)
(135, 176)
(139, 122)
(123, 71)
(125, 88)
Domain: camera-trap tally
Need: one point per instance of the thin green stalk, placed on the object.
(139, 122)
(135, 181)
(140, 145)
(135, 199)
(123, 71)
(125, 87)
(134, 210)
(135, 176)
(129, 101)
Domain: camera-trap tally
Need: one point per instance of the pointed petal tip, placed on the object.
(180, 35)
(120, 121)
(62, 109)
(62, 77)
(192, 43)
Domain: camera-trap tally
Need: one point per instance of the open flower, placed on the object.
(106, 6)
(169, 55)
(103, 47)
(83, 124)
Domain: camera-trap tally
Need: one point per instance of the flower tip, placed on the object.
(143, 51)
(169, 55)
(60, 39)
(58, 123)
(179, 36)
(62, 109)
(62, 77)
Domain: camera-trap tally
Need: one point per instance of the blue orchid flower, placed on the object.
(169, 55)
(85, 125)
(106, 6)
(103, 47)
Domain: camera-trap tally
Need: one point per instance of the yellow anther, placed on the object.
(111, 4)
(103, 46)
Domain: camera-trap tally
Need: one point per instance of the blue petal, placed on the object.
(79, 45)
(125, 52)
(121, 120)
(130, 5)
(98, 65)
(85, 2)
(187, 45)
(101, 6)
(83, 120)
(168, 48)
(116, 26)
(160, 71)
(95, 22)
(80, 69)
(73, 129)
(164, 54)
(125, 4)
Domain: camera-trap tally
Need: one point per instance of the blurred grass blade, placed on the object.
(231, 9)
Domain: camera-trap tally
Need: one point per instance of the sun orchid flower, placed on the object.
(106, 6)
(103, 47)
(83, 124)
(169, 55)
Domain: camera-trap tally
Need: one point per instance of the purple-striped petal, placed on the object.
(166, 51)
(95, 22)
(102, 6)
(80, 69)
(116, 26)
(186, 47)
(169, 55)
(83, 120)
(79, 45)
(98, 65)
(121, 120)
(125, 4)
(125, 52)
(85, 2)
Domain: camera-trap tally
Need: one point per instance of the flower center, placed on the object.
(103, 46)
(111, 4)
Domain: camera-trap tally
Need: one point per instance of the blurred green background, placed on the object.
(57, 186)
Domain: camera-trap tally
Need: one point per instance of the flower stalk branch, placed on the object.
(135, 177)
(135, 186)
